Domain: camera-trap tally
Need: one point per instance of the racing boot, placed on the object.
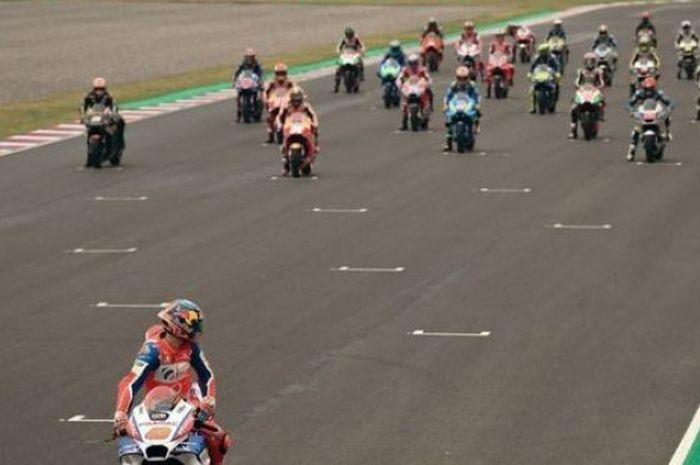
(270, 137)
(631, 152)
(448, 145)
(573, 134)
(404, 122)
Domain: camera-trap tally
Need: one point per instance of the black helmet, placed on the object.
(349, 32)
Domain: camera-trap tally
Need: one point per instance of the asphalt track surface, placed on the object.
(592, 357)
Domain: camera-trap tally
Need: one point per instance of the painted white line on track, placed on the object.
(4, 152)
(83, 419)
(110, 305)
(339, 210)
(495, 190)
(579, 226)
(140, 112)
(80, 250)
(666, 164)
(683, 449)
(352, 269)
(121, 199)
(71, 126)
(420, 332)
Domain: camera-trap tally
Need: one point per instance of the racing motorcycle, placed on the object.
(349, 62)
(650, 115)
(248, 88)
(687, 58)
(276, 101)
(431, 51)
(544, 82)
(606, 57)
(525, 45)
(163, 429)
(416, 104)
(461, 113)
(498, 69)
(641, 69)
(388, 72)
(589, 101)
(558, 48)
(469, 55)
(299, 148)
(103, 143)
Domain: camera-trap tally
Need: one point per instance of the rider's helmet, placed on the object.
(280, 72)
(685, 26)
(646, 16)
(432, 23)
(589, 61)
(557, 24)
(603, 30)
(644, 44)
(500, 35)
(395, 46)
(349, 33)
(462, 75)
(543, 50)
(296, 97)
(413, 61)
(649, 84)
(468, 27)
(99, 85)
(182, 318)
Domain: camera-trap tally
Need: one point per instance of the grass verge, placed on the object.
(21, 117)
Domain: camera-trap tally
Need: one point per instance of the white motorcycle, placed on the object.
(650, 116)
(162, 430)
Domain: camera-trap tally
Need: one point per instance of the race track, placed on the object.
(591, 357)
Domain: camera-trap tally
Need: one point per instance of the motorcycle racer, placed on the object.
(350, 41)
(500, 45)
(395, 52)
(544, 57)
(648, 91)
(281, 80)
(169, 356)
(557, 30)
(462, 83)
(686, 32)
(589, 74)
(99, 95)
(249, 63)
(645, 23)
(414, 68)
(299, 104)
(433, 27)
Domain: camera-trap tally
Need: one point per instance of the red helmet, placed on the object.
(589, 60)
(182, 318)
(649, 82)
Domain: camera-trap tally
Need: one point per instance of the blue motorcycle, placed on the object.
(388, 72)
(461, 113)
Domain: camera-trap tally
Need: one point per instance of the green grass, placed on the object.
(20, 117)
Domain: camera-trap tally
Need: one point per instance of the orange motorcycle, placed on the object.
(432, 47)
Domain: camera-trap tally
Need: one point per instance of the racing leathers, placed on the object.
(639, 97)
(406, 73)
(455, 88)
(550, 61)
(357, 45)
(312, 147)
(115, 134)
(247, 65)
(586, 76)
(272, 113)
(159, 363)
